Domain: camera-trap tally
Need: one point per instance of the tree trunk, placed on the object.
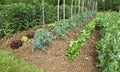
(58, 9)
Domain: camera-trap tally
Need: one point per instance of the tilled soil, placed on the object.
(55, 60)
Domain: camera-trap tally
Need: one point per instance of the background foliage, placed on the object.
(16, 17)
(106, 5)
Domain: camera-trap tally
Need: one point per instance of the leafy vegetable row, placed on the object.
(75, 46)
(58, 30)
(109, 46)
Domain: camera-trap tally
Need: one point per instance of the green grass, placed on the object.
(9, 63)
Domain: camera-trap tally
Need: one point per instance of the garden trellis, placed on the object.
(77, 6)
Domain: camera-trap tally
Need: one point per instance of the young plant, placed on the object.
(30, 35)
(75, 46)
(16, 44)
(41, 39)
(24, 39)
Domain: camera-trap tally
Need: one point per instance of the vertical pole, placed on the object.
(75, 7)
(43, 12)
(88, 5)
(58, 9)
(64, 10)
(78, 6)
(82, 5)
(71, 8)
(96, 5)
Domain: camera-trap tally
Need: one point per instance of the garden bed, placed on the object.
(55, 60)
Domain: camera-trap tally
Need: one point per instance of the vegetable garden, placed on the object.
(75, 37)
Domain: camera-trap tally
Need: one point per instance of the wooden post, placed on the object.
(82, 5)
(71, 8)
(75, 7)
(43, 12)
(58, 9)
(64, 10)
(78, 6)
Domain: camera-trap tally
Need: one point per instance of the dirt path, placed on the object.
(55, 59)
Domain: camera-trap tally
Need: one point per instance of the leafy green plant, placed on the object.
(56, 30)
(75, 46)
(41, 39)
(109, 48)
(24, 39)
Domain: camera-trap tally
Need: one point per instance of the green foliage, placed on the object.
(57, 30)
(67, 11)
(75, 46)
(41, 39)
(16, 17)
(109, 48)
(109, 5)
(9, 63)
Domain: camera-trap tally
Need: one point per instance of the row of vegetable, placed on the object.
(109, 46)
(19, 42)
(75, 46)
(58, 30)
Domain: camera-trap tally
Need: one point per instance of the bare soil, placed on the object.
(55, 60)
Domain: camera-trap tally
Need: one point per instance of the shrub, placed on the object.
(16, 17)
